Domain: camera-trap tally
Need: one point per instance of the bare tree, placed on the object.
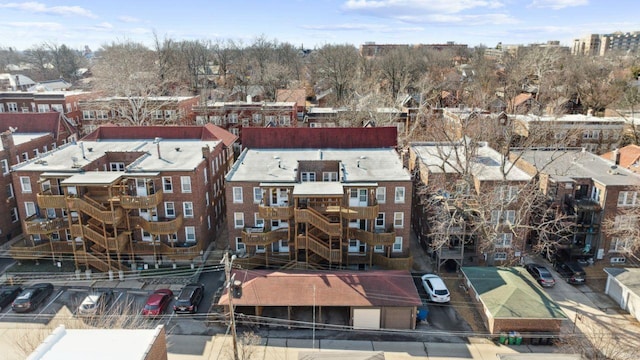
(336, 64)
(596, 342)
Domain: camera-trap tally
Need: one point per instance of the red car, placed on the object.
(157, 302)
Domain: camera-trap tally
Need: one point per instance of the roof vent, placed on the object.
(178, 149)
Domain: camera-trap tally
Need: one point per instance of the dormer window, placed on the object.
(308, 176)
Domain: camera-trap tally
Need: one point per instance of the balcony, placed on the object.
(374, 239)
(393, 263)
(161, 227)
(141, 202)
(275, 212)
(360, 212)
(26, 251)
(257, 238)
(110, 243)
(47, 201)
(177, 251)
(35, 225)
(95, 210)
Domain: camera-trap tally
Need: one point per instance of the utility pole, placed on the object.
(230, 293)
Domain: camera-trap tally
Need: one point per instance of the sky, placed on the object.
(312, 23)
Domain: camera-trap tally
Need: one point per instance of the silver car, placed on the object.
(95, 303)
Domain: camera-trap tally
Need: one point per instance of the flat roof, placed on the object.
(567, 164)
(175, 155)
(93, 178)
(22, 138)
(629, 277)
(325, 288)
(510, 292)
(451, 158)
(124, 344)
(356, 165)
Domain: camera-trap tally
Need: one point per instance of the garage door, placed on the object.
(366, 318)
(615, 291)
(397, 318)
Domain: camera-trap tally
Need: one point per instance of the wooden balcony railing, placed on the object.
(110, 243)
(372, 238)
(263, 238)
(47, 201)
(141, 202)
(360, 212)
(393, 263)
(35, 225)
(173, 252)
(25, 251)
(275, 212)
(99, 261)
(164, 227)
(95, 210)
(317, 220)
(322, 249)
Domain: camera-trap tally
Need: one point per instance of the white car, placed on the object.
(436, 289)
(95, 303)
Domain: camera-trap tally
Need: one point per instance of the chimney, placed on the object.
(157, 142)
(616, 156)
(7, 140)
(249, 99)
(82, 149)
(206, 152)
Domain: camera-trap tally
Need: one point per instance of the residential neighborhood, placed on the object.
(197, 199)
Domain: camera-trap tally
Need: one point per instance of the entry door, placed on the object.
(141, 187)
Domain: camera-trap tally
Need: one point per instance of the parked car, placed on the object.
(570, 271)
(436, 289)
(541, 274)
(157, 302)
(189, 299)
(8, 294)
(95, 303)
(30, 298)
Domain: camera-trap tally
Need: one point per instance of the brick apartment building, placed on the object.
(149, 194)
(25, 136)
(459, 186)
(64, 102)
(236, 115)
(136, 110)
(330, 197)
(591, 192)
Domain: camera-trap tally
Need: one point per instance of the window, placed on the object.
(378, 249)
(51, 213)
(500, 256)
(259, 223)
(12, 107)
(43, 108)
(308, 176)
(29, 208)
(158, 114)
(620, 245)
(285, 120)
(257, 195)
(185, 183)
(14, 215)
(88, 115)
(399, 199)
(503, 240)
(503, 217)
(116, 166)
(245, 122)
(216, 119)
(25, 156)
(1, 107)
(187, 208)
(234, 131)
(57, 107)
(595, 194)
(240, 247)
(381, 195)
(190, 233)
(398, 219)
(10, 193)
(206, 177)
(591, 134)
(257, 118)
(167, 184)
(237, 194)
(55, 236)
(170, 114)
(380, 221)
(627, 198)
(507, 193)
(169, 209)
(102, 115)
(238, 220)
(233, 118)
(397, 245)
(625, 222)
(329, 176)
(4, 164)
(25, 183)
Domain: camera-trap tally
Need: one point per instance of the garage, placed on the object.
(357, 299)
(366, 319)
(623, 286)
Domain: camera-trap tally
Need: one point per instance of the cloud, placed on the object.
(361, 27)
(46, 26)
(395, 7)
(558, 4)
(104, 26)
(40, 8)
(129, 19)
(459, 19)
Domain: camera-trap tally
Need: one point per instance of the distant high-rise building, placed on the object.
(601, 44)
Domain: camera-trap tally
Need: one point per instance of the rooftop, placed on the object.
(451, 158)
(281, 165)
(629, 277)
(569, 118)
(567, 164)
(20, 138)
(511, 293)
